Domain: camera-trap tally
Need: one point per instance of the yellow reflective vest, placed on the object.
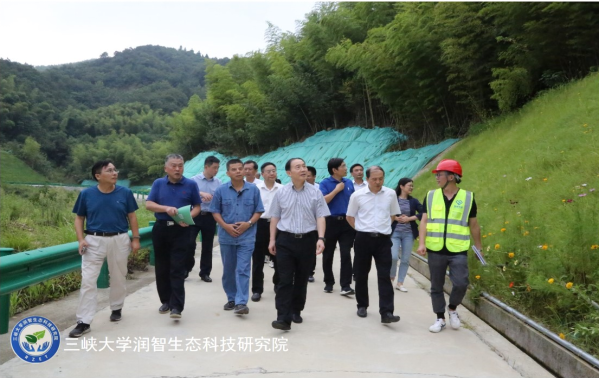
(457, 238)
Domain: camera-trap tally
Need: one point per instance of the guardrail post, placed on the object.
(152, 257)
(4, 300)
(103, 278)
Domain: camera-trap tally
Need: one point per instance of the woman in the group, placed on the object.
(405, 231)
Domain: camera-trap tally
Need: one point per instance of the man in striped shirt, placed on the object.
(297, 227)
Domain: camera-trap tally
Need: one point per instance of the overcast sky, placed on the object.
(52, 32)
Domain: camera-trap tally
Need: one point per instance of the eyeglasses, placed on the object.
(271, 171)
(111, 171)
(439, 174)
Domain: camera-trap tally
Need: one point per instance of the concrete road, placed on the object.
(332, 341)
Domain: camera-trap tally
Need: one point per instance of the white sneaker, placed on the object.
(438, 326)
(271, 264)
(401, 288)
(454, 320)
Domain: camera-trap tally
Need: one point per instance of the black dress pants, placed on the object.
(261, 250)
(295, 257)
(171, 251)
(365, 249)
(205, 224)
(338, 230)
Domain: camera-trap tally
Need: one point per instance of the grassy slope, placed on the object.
(524, 169)
(15, 170)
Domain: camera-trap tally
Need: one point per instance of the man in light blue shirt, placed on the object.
(236, 206)
(204, 222)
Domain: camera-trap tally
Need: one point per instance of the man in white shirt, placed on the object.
(370, 212)
(250, 169)
(357, 172)
(267, 188)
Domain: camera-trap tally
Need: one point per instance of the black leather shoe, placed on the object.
(256, 297)
(328, 288)
(297, 318)
(175, 314)
(389, 318)
(229, 306)
(206, 278)
(164, 308)
(277, 324)
(311, 279)
(115, 316)
(362, 312)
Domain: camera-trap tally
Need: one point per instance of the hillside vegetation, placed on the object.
(14, 170)
(536, 182)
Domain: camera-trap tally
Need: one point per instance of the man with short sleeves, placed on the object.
(297, 229)
(268, 189)
(236, 206)
(107, 210)
(204, 222)
(370, 212)
(171, 239)
(336, 190)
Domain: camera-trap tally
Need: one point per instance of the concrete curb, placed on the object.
(552, 356)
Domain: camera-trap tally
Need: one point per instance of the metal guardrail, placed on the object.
(17, 271)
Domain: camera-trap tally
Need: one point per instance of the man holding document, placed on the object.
(448, 221)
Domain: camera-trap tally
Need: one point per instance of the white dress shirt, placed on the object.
(256, 181)
(359, 186)
(373, 211)
(267, 195)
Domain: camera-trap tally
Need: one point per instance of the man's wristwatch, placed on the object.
(250, 222)
(323, 239)
(135, 237)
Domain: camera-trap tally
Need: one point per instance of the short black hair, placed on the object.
(312, 170)
(354, 166)
(402, 182)
(98, 166)
(334, 163)
(374, 168)
(251, 162)
(211, 160)
(288, 164)
(266, 165)
(233, 161)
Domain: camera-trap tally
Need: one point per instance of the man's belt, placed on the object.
(99, 233)
(375, 234)
(296, 236)
(337, 217)
(166, 222)
(205, 213)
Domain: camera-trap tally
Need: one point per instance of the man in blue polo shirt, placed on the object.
(171, 239)
(336, 190)
(236, 206)
(107, 210)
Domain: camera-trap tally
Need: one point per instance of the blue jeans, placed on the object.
(237, 263)
(405, 242)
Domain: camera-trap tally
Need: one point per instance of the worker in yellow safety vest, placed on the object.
(448, 221)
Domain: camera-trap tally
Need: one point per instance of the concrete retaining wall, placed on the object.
(554, 357)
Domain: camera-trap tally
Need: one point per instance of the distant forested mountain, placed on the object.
(428, 69)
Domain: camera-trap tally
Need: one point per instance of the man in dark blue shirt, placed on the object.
(171, 239)
(107, 210)
(336, 190)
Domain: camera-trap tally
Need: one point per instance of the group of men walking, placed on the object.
(291, 223)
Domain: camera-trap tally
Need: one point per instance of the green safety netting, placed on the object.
(125, 183)
(354, 144)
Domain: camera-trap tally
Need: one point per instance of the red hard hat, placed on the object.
(449, 166)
